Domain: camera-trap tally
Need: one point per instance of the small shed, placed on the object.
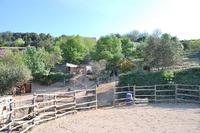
(71, 68)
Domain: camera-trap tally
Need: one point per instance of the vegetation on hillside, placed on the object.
(114, 53)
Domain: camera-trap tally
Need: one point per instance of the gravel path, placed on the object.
(157, 118)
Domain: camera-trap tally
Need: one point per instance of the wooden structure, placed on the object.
(158, 93)
(22, 89)
(26, 88)
(78, 69)
(71, 68)
(20, 116)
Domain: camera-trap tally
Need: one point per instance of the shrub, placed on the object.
(126, 65)
(168, 75)
(11, 76)
(141, 78)
(188, 76)
(53, 77)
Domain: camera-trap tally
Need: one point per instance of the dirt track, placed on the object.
(157, 118)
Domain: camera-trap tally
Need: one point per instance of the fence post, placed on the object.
(155, 98)
(75, 99)
(176, 100)
(96, 96)
(34, 106)
(55, 102)
(114, 90)
(199, 94)
(134, 94)
(10, 119)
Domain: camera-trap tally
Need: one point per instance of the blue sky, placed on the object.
(100, 17)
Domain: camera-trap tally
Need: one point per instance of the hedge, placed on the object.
(53, 77)
(141, 78)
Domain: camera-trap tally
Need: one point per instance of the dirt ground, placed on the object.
(155, 118)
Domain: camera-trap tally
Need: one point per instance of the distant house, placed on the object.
(78, 69)
(71, 68)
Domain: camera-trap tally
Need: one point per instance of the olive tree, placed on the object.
(13, 71)
(162, 51)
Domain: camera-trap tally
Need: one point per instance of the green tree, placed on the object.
(109, 49)
(73, 49)
(19, 42)
(15, 58)
(11, 76)
(127, 47)
(162, 52)
(194, 45)
(139, 50)
(89, 44)
(13, 71)
(39, 61)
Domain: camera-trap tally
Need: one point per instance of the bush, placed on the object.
(168, 75)
(126, 65)
(53, 77)
(11, 76)
(141, 78)
(188, 76)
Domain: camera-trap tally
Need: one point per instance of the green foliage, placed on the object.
(109, 49)
(19, 42)
(168, 75)
(127, 47)
(140, 78)
(74, 50)
(56, 55)
(194, 45)
(24, 39)
(11, 76)
(139, 50)
(35, 60)
(188, 76)
(53, 77)
(39, 61)
(13, 71)
(162, 52)
(126, 65)
(15, 58)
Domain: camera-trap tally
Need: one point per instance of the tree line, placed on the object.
(115, 53)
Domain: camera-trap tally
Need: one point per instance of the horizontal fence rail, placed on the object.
(157, 93)
(20, 116)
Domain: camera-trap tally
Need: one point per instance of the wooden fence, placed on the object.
(20, 116)
(158, 93)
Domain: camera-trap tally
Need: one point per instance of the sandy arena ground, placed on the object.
(157, 118)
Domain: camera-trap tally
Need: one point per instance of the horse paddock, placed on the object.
(152, 118)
